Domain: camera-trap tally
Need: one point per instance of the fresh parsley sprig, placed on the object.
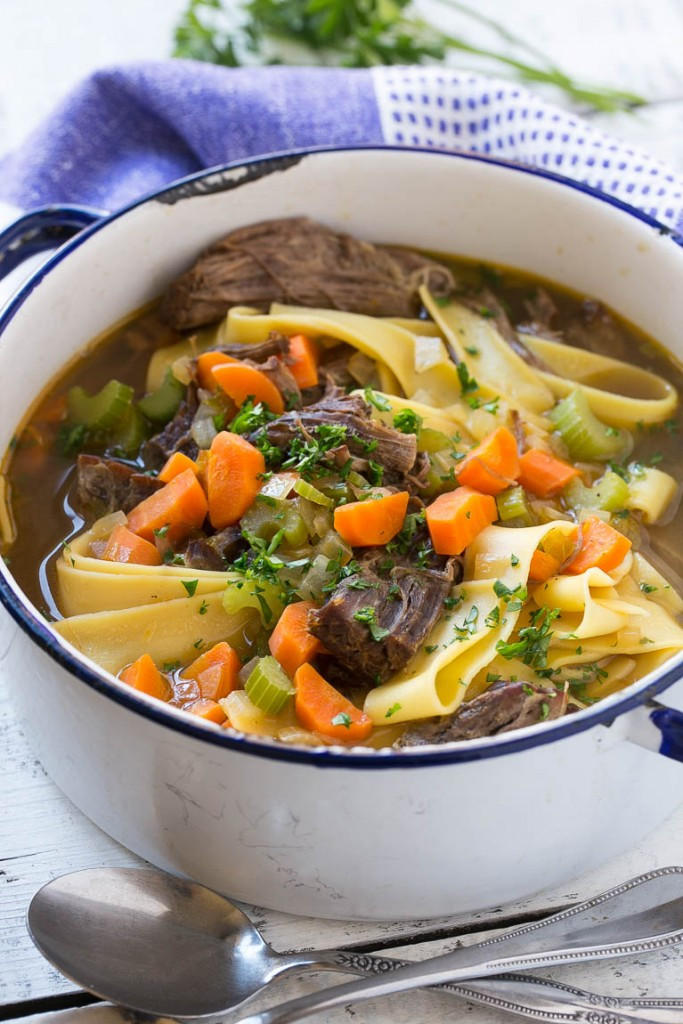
(363, 33)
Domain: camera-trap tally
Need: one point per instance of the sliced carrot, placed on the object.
(291, 643)
(143, 675)
(492, 465)
(241, 382)
(456, 518)
(206, 363)
(321, 708)
(363, 524)
(209, 710)
(543, 566)
(543, 474)
(125, 546)
(215, 671)
(180, 504)
(303, 360)
(232, 478)
(601, 546)
(176, 465)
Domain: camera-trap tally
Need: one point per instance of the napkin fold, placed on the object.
(127, 130)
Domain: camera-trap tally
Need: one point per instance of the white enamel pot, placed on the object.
(334, 833)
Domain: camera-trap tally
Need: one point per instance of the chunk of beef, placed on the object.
(542, 312)
(276, 344)
(503, 707)
(596, 330)
(395, 451)
(277, 371)
(300, 262)
(215, 552)
(175, 437)
(405, 604)
(105, 485)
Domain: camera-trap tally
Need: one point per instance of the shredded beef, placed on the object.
(277, 371)
(394, 451)
(300, 262)
(105, 485)
(406, 603)
(276, 344)
(175, 437)
(503, 707)
(488, 301)
(215, 552)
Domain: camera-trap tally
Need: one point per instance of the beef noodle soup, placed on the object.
(336, 493)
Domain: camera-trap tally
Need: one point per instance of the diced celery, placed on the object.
(609, 493)
(295, 532)
(130, 433)
(512, 504)
(584, 435)
(311, 493)
(433, 441)
(161, 405)
(101, 411)
(263, 597)
(268, 687)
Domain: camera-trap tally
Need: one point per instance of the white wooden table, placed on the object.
(44, 48)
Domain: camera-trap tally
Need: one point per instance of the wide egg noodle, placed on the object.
(462, 643)
(370, 335)
(169, 631)
(496, 366)
(589, 602)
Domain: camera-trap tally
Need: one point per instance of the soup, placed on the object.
(331, 493)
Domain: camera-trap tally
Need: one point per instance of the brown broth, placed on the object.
(40, 478)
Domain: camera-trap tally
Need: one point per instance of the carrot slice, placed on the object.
(232, 478)
(125, 546)
(601, 546)
(456, 518)
(143, 675)
(215, 671)
(290, 643)
(543, 566)
(321, 708)
(373, 521)
(209, 710)
(492, 465)
(543, 474)
(176, 465)
(303, 360)
(180, 504)
(241, 382)
(206, 363)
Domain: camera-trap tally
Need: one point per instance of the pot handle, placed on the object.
(47, 227)
(656, 728)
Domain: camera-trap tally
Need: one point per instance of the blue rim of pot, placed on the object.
(221, 178)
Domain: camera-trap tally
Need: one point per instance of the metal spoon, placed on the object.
(159, 944)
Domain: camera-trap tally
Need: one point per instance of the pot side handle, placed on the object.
(657, 728)
(44, 228)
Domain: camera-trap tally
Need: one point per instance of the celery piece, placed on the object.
(584, 435)
(101, 411)
(161, 405)
(268, 687)
(294, 529)
(433, 441)
(512, 504)
(260, 595)
(130, 433)
(609, 493)
(312, 493)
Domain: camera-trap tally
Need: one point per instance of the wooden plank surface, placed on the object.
(619, 42)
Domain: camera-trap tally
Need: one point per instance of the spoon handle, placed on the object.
(639, 916)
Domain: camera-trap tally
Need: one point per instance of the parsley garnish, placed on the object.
(162, 531)
(514, 560)
(493, 618)
(430, 648)
(203, 608)
(648, 588)
(250, 417)
(343, 718)
(170, 666)
(379, 401)
(467, 383)
(190, 586)
(534, 640)
(392, 710)
(368, 616)
(407, 421)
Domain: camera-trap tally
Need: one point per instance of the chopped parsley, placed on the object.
(648, 588)
(471, 350)
(249, 418)
(407, 421)
(430, 648)
(170, 666)
(493, 618)
(534, 640)
(310, 457)
(343, 718)
(392, 710)
(467, 383)
(161, 531)
(203, 608)
(514, 560)
(190, 586)
(368, 616)
(379, 401)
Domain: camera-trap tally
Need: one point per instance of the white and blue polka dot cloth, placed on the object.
(127, 130)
